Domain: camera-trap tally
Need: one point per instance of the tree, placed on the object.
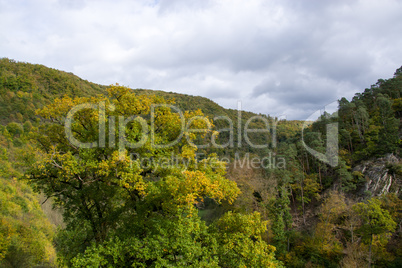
(309, 188)
(14, 129)
(325, 238)
(240, 243)
(345, 177)
(374, 221)
(139, 189)
(388, 135)
(398, 72)
(281, 219)
(25, 233)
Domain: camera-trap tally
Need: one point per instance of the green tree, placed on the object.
(25, 233)
(281, 218)
(388, 136)
(345, 177)
(239, 241)
(136, 195)
(374, 221)
(15, 129)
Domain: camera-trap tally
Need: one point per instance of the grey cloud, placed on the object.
(172, 6)
(278, 57)
(296, 88)
(72, 4)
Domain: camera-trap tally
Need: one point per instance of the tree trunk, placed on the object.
(319, 174)
(301, 186)
(371, 242)
(351, 230)
(294, 203)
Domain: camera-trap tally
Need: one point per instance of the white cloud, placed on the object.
(277, 57)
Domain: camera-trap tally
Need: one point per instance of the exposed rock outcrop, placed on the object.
(380, 176)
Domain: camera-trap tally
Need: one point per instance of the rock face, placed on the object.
(379, 176)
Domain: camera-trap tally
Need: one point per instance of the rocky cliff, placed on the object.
(380, 175)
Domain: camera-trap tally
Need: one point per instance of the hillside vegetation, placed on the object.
(173, 206)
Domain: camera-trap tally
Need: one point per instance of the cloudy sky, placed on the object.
(286, 58)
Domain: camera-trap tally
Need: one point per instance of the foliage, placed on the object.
(240, 243)
(117, 201)
(149, 206)
(25, 233)
(370, 122)
(25, 87)
(376, 224)
(375, 220)
(281, 225)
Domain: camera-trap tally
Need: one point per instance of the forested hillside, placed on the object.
(136, 195)
(26, 87)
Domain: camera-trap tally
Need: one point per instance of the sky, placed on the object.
(283, 58)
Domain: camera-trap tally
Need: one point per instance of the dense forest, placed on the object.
(121, 183)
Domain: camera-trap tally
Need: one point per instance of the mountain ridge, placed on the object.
(52, 83)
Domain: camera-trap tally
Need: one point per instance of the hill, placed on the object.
(318, 214)
(26, 87)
